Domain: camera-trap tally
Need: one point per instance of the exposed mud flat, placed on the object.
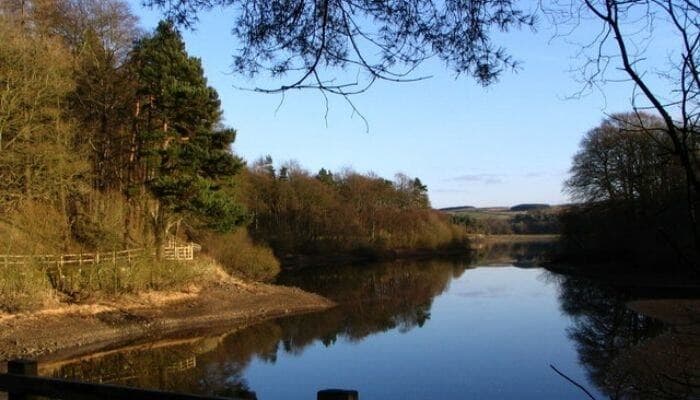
(72, 330)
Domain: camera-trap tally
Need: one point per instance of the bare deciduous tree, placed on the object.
(620, 163)
(36, 161)
(629, 33)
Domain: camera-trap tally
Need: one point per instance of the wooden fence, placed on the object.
(171, 251)
(79, 259)
(22, 383)
(174, 250)
(178, 253)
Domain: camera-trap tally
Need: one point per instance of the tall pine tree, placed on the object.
(184, 153)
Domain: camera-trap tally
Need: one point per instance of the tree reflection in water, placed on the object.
(520, 253)
(371, 299)
(629, 355)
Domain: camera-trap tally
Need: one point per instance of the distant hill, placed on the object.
(457, 209)
(503, 211)
(525, 218)
(529, 207)
(494, 209)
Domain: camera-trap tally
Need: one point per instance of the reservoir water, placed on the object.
(453, 329)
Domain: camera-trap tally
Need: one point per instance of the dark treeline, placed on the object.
(297, 212)
(634, 200)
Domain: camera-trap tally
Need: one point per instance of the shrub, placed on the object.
(241, 256)
(23, 288)
(33, 228)
(108, 278)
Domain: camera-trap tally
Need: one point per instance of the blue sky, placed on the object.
(505, 144)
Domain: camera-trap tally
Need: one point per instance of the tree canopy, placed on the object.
(383, 40)
(618, 161)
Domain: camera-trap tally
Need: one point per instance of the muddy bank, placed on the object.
(80, 329)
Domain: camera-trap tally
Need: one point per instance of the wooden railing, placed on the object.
(72, 259)
(172, 251)
(183, 365)
(22, 383)
(185, 252)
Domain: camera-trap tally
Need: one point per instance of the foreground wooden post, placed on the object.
(21, 367)
(337, 394)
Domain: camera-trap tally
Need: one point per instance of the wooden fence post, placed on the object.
(337, 394)
(21, 367)
(116, 271)
(61, 281)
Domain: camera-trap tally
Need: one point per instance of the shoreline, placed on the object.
(476, 242)
(75, 330)
(298, 262)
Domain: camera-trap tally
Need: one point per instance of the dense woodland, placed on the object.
(110, 138)
(113, 134)
(303, 213)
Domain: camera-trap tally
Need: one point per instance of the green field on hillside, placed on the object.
(521, 219)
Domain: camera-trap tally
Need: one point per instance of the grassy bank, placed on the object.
(33, 286)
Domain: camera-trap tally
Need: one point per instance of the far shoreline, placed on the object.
(294, 262)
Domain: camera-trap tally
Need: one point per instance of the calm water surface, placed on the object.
(409, 330)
